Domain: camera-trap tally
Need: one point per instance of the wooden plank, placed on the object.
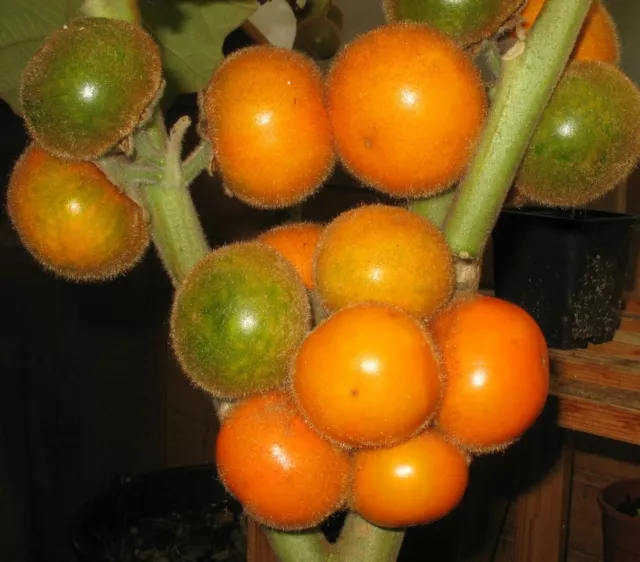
(543, 509)
(258, 547)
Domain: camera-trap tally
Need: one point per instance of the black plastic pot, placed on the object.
(621, 532)
(167, 495)
(566, 268)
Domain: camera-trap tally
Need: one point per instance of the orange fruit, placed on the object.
(497, 366)
(297, 242)
(267, 121)
(283, 473)
(385, 254)
(407, 106)
(416, 482)
(598, 39)
(367, 376)
(72, 219)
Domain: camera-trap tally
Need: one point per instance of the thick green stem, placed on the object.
(527, 82)
(360, 541)
(176, 229)
(296, 547)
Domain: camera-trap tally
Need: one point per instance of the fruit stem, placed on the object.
(360, 541)
(434, 208)
(531, 71)
(126, 10)
(175, 226)
(197, 162)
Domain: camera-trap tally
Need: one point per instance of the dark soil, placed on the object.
(214, 533)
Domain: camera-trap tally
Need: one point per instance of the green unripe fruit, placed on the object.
(88, 86)
(238, 319)
(464, 21)
(319, 37)
(587, 140)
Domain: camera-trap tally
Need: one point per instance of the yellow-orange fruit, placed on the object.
(267, 121)
(407, 107)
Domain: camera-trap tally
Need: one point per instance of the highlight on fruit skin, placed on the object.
(497, 366)
(598, 39)
(266, 118)
(72, 219)
(587, 140)
(466, 22)
(89, 85)
(384, 254)
(284, 474)
(414, 483)
(297, 242)
(368, 376)
(237, 320)
(407, 106)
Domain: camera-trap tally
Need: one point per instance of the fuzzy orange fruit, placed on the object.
(497, 367)
(598, 39)
(72, 219)
(385, 254)
(267, 121)
(297, 242)
(367, 376)
(407, 107)
(413, 483)
(284, 474)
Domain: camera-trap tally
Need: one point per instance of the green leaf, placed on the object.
(24, 24)
(190, 35)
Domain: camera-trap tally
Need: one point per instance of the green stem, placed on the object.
(434, 208)
(198, 161)
(360, 541)
(126, 10)
(176, 229)
(525, 87)
(309, 546)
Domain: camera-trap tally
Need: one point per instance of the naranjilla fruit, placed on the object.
(407, 107)
(497, 368)
(465, 21)
(587, 140)
(319, 37)
(297, 242)
(89, 85)
(413, 483)
(72, 219)
(368, 376)
(238, 319)
(384, 254)
(284, 474)
(267, 121)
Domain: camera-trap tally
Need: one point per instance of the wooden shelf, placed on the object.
(598, 388)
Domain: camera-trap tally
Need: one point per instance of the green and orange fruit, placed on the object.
(465, 21)
(384, 254)
(72, 219)
(238, 318)
(88, 86)
(587, 140)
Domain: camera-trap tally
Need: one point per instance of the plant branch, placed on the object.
(528, 80)
(434, 208)
(360, 541)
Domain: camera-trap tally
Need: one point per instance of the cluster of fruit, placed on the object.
(380, 405)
